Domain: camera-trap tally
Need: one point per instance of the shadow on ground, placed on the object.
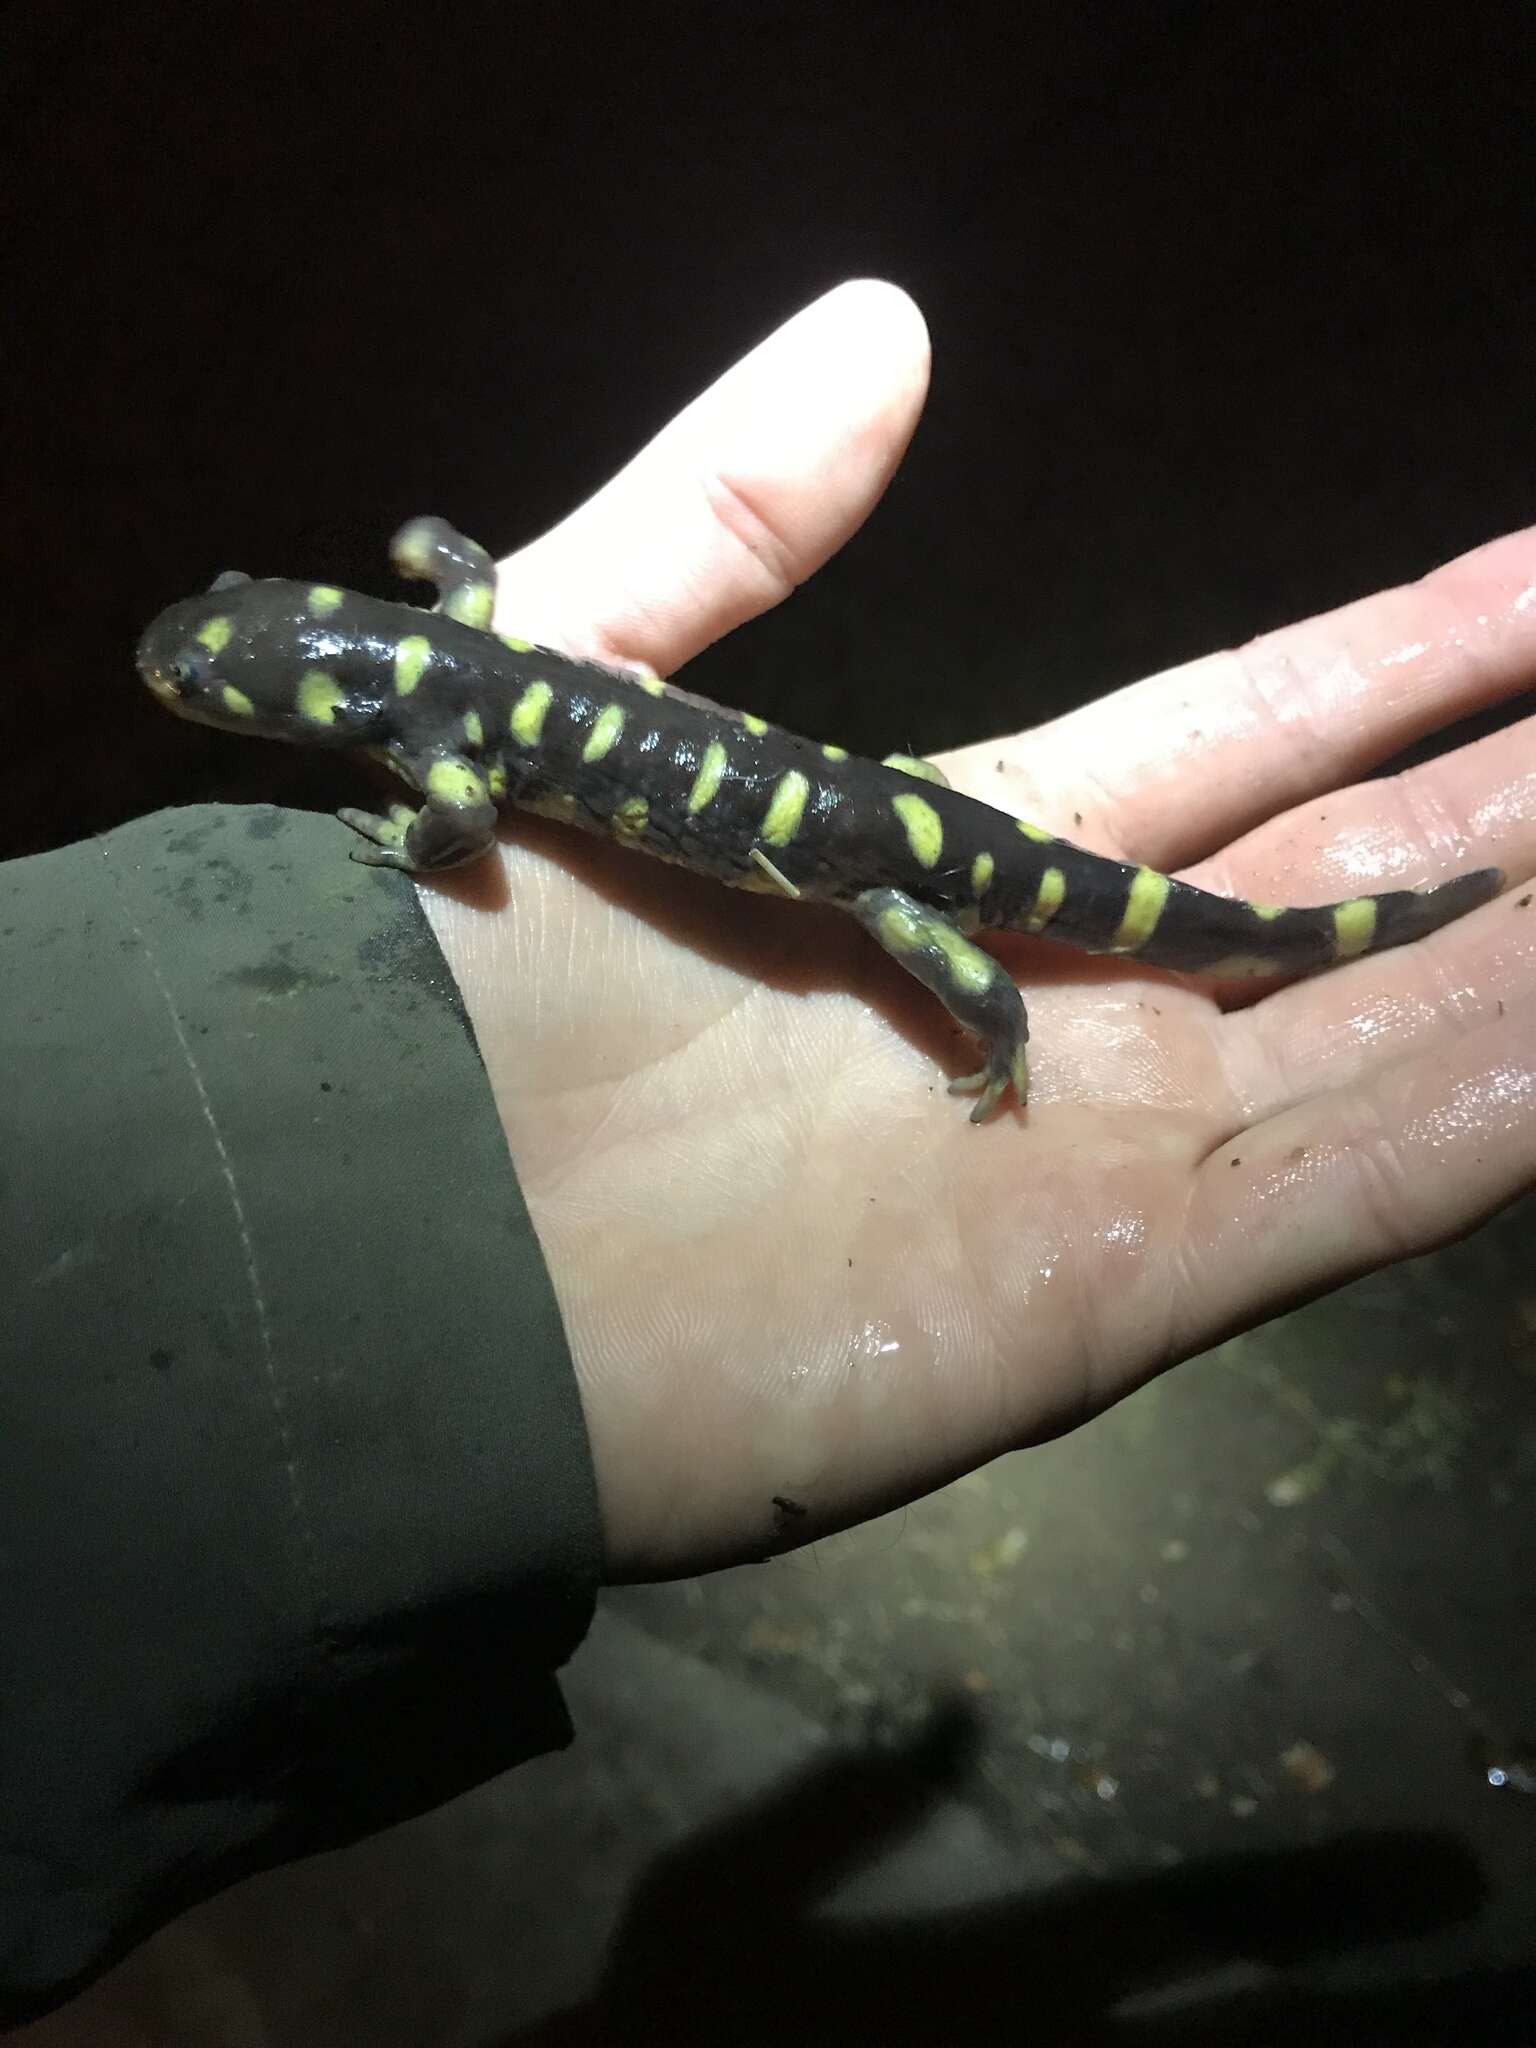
(722, 1939)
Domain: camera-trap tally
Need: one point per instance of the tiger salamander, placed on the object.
(469, 717)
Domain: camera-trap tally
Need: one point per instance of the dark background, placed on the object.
(1232, 318)
(1232, 314)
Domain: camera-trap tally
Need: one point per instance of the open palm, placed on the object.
(799, 1286)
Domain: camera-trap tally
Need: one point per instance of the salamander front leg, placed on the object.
(463, 572)
(970, 984)
(456, 824)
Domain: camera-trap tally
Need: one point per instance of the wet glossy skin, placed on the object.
(471, 719)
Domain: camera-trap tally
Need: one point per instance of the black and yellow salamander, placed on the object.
(470, 717)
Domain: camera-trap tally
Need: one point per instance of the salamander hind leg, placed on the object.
(975, 990)
(465, 576)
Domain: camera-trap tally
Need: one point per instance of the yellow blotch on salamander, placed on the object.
(900, 930)
(912, 764)
(754, 725)
(923, 826)
(786, 808)
(969, 968)
(653, 686)
(319, 695)
(630, 819)
(1268, 911)
(529, 713)
(411, 551)
(237, 702)
(455, 782)
(412, 654)
(1143, 907)
(604, 734)
(517, 646)
(1036, 832)
(323, 599)
(982, 870)
(1354, 927)
(496, 778)
(472, 604)
(1049, 897)
(474, 731)
(214, 634)
(707, 781)
(835, 753)
(903, 931)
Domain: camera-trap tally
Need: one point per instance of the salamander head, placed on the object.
(257, 657)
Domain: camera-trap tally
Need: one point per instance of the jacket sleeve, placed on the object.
(297, 1514)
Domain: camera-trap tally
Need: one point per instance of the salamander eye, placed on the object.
(187, 672)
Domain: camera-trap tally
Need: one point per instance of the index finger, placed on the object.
(740, 497)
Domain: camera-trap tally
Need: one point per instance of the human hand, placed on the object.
(790, 1270)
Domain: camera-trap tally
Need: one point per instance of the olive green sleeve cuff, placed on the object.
(297, 1513)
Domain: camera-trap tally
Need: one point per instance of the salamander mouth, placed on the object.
(163, 684)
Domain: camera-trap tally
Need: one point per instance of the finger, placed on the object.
(740, 498)
(1473, 807)
(1336, 1031)
(1413, 1156)
(1172, 768)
